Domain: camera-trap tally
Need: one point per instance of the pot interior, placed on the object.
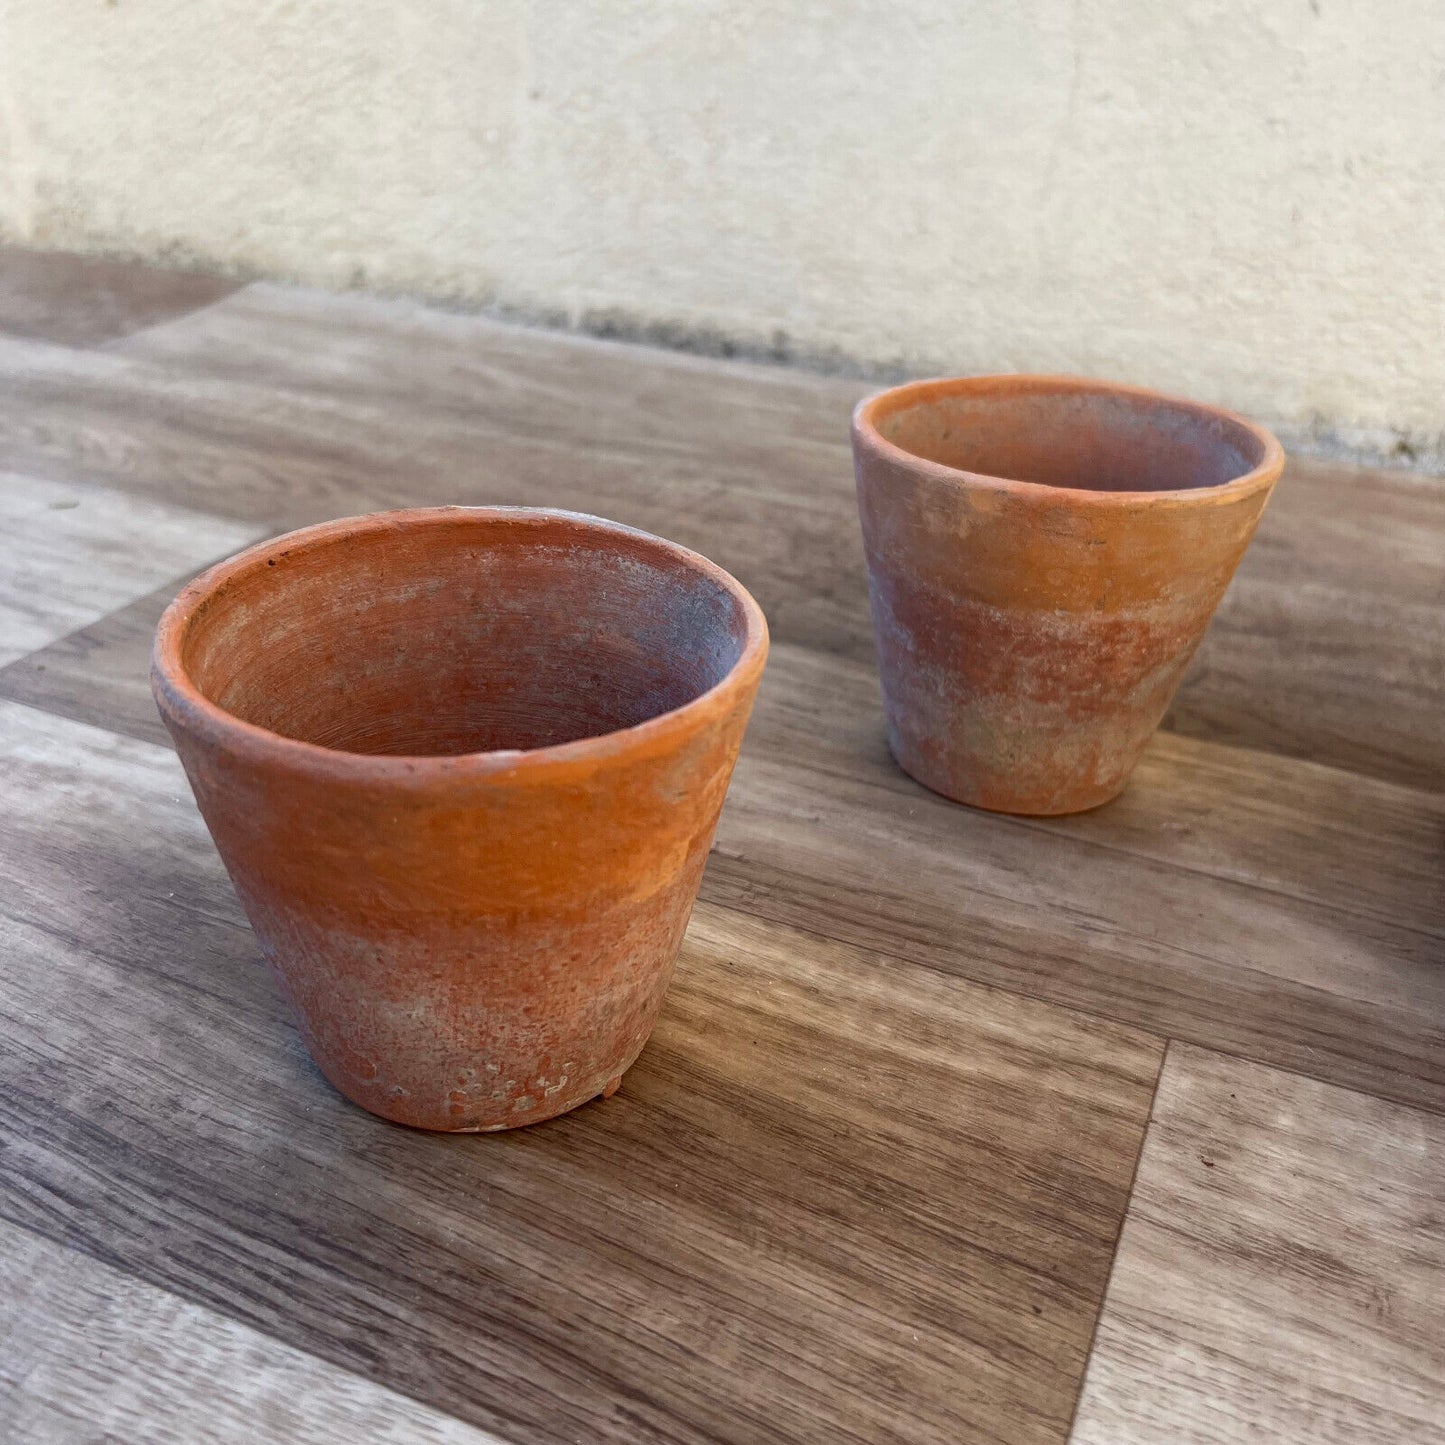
(1060, 435)
(462, 633)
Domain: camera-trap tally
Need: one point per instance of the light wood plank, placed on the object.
(88, 300)
(283, 406)
(88, 1353)
(1325, 648)
(840, 1198)
(667, 451)
(1327, 645)
(74, 553)
(1280, 1273)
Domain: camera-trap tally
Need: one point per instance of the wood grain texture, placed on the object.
(1327, 645)
(75, 553)
(1209, 903)
(1224, 812)
(865, 1183)
(1339, 603)
(283, 406)
(1221, 811)
(88, 300)
(1250, 925)
(709, 461)
(1279, 1276)
(839, 1198)
(100, 673)
(89, 1353)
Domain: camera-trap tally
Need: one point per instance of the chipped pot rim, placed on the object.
(184, 704)
(866, 433)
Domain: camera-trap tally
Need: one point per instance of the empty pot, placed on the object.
(1044, 556)
(464, 768)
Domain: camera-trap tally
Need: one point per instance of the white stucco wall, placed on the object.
(1242, 200)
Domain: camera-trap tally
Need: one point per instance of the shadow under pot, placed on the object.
(1044, 555)
(464, 768)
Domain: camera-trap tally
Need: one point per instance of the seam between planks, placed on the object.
(1118, 1239)
(116, 1265)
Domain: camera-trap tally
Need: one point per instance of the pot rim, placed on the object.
(1260, 477)
(182, 702)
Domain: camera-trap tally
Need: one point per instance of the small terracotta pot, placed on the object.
(1044, 555)
(464, 767)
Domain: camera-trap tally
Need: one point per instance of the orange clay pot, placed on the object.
(1044, 555)
(464, 767)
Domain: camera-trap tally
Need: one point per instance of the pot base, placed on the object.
(436, 1119)
(997, 800)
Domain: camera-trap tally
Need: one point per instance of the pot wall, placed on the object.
(475, 953)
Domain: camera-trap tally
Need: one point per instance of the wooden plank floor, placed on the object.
(868, 1179)
(87, 300)
(88, 1352)
(1280, 1275)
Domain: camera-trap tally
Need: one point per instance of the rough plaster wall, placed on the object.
(1242, 200)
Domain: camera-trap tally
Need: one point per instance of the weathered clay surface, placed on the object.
(464, 768)
(1044, 556)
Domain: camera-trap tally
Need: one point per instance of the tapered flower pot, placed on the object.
(1044, 556)
(464, 768)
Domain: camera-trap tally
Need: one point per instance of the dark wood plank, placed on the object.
(283, 406)
(1282, 910)
(86, 300)
(1280, 1269)
(98, 674)
(89, 1353)
(1264, 906)
(839, 1198)
(1220, 812)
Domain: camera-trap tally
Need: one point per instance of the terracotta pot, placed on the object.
(464, 767)
(1044, 555)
